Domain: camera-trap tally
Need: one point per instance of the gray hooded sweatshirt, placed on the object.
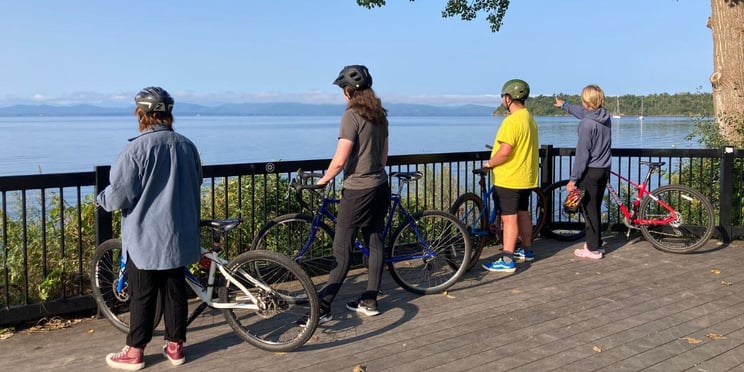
(595, 139)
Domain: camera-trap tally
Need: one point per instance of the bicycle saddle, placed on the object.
(408, 176)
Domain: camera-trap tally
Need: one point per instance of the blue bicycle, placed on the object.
(481, 214)
(426, 253)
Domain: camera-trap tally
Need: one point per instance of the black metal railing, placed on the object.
(49, 227)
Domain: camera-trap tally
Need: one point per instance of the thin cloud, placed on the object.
(312, 97)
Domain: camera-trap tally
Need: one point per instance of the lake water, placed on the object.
(77, 144)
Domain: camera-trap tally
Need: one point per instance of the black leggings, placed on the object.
(594, 182)
(365, 210)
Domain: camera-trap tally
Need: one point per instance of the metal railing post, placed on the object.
(104, 222)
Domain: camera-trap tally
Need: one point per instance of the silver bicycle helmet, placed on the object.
(154, 99)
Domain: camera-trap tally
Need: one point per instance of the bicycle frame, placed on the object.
(395, 205)
(487, 201)
(206, 293)
(631, 219)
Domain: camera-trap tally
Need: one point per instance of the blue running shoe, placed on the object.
(500, 266)
(523, 255)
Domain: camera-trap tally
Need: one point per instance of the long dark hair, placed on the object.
(366, 104)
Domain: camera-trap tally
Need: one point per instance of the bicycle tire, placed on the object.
(538, 204)
(288, 233)
(446, 236)
(558, 225)
(104, 274)
(695, 224)
(467, 208)
(275, 325)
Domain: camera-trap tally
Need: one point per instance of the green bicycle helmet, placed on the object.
(516, 89)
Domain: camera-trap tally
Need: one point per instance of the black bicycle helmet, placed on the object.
(355, 76)
(154, 99)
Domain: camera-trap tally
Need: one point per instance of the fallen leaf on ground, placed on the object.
(91, 330)
(723, 282)
(597, 349)
(53, 324)
(516, 291)
(6, 333)
(692, 340)
(715, 336)
(716, 271)
(359, 368)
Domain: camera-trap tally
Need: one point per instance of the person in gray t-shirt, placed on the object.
(361, 154)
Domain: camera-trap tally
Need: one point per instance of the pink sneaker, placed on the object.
(600, 250)
(130, 358)
(585, 253)
(173, 351)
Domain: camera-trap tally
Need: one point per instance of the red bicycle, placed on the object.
(673, 218)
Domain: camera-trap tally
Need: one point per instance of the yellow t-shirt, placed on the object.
(521, 168)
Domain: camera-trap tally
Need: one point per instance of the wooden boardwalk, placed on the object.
(636, 309)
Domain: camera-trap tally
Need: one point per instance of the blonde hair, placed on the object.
(593, 97)
(147, 121)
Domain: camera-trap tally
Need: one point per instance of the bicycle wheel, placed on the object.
(538, 204)
(289, 233)
(441, 233)
(468, 209)
(104, 277)
(285, 297)
(694, 223)
(558, 225)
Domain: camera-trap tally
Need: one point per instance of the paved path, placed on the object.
(636, 309)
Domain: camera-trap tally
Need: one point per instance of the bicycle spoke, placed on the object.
(468, 208)
(288, 234)
(434, 262)
(285, 297)
(558, 225)
(690, 225)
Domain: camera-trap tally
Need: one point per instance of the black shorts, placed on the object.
(364, 208)
(512, 200)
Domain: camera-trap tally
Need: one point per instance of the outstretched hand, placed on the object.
(558, 102)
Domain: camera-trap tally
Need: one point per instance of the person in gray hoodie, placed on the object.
(591, 168)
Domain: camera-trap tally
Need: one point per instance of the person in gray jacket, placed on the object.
(591, 168)
(156, 183)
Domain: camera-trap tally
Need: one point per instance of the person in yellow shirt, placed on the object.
(515, 166)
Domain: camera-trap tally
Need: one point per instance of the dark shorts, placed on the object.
(512, 200)
(364, 208)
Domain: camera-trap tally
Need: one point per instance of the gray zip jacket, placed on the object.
(156, 182)
(593, 149)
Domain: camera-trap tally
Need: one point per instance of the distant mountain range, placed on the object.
(247, 109)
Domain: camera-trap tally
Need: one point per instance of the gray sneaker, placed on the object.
(366, 307)
(324, 317)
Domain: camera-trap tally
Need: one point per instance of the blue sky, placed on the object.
(208, 52)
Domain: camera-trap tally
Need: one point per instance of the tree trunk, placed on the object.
(727, 25)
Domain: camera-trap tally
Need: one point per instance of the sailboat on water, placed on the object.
(616, 115)
(640, 117)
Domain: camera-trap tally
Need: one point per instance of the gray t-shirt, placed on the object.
(364, 168)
